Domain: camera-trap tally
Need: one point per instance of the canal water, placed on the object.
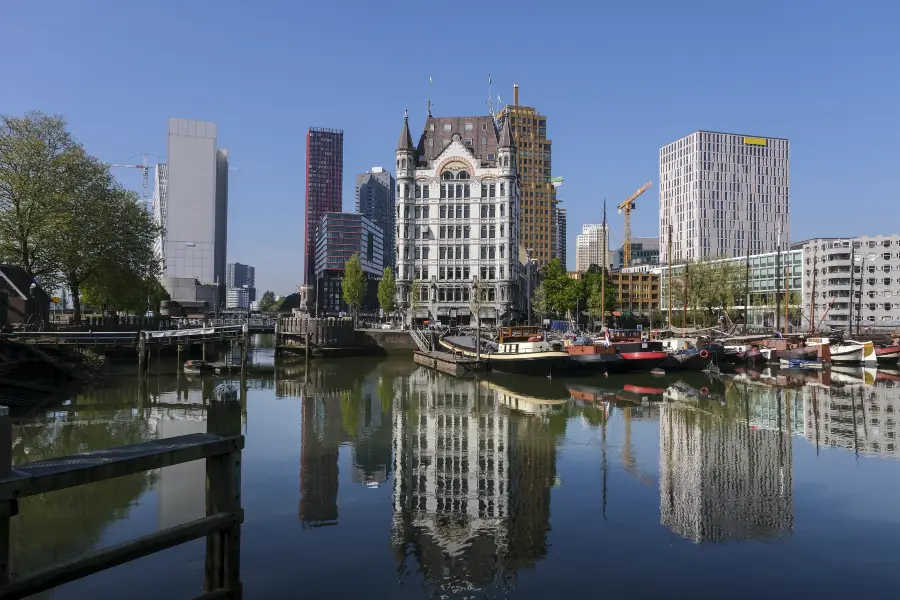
(376, 478)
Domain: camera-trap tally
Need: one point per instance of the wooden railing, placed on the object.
(220, 447)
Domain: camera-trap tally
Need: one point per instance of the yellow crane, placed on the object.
(626, 207)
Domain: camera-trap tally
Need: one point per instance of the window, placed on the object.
(425, 272)
(483, 252)
(501, 230)
(446, 126)
(459, 211)
(418, 191)
(502, 248)
(425, 189)
(502, 189)
(466, 210)
(466, 193)
(417, 255)
(484, 211)
(431, 127)
(443, 232)
(490, 156)
(465, 272)
(470, 126)
(418, 212)
(424, 212)
(468, 142)
(443, 191)
(887, 306)
(484, 190)
(886, 256)
(443, 211)
(442, 252)
(466, 248)
(491, 190)
(458, 231)
(484, 231)
(459, 272)
(492, 273)
(466, 236)
(492, 252)
(502, 276)
(492, 231)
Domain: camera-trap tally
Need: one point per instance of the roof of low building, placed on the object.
(18, 280)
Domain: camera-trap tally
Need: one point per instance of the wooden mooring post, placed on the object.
(221, 448)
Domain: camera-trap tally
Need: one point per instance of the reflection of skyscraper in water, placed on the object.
(859, 417)
(722, 478)
(471, 490)
(372, 450)
(319, 460)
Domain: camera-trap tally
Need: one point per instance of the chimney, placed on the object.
(515, 94)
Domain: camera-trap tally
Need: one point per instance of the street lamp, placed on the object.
(528, 252)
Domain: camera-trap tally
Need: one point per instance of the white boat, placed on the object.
(841, 352)
(869, 356)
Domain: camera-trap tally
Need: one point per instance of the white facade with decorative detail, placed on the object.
(457, 223)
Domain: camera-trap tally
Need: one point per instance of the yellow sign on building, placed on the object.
(755, 141)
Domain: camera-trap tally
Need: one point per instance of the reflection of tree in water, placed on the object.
(61, 525)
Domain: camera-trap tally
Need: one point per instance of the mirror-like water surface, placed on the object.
(381, 479)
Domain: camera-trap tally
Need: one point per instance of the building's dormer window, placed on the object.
(462, 175)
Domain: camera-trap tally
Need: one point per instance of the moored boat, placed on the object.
(641, 356)
(887, 354)
(593, 356)
(198, 367)
(801, 364)
(526, 351)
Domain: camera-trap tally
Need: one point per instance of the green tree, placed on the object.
(34, 150)
(83, 223)
(124, 275)
(387, 291)
(556, 288)
(267, 301)
(353, 285)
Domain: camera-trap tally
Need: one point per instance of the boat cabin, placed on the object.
(523, 339)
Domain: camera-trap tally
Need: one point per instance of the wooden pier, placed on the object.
(448, 364)
(220, 447)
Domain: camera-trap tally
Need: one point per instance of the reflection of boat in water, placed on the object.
(887, 375)
(852, 375)
(887, 354)
(532, 405)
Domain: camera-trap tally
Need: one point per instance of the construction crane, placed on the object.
(626, 207)
(146, 178)
(145, 166)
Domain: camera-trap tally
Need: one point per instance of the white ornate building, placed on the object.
(457, 222)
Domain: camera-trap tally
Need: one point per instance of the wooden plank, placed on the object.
(223, 494)
(70, 570)
(79, 469)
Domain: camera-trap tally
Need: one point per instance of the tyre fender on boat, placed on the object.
(704, 391)
(704, 353)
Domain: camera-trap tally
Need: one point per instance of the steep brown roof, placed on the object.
(505, 135)
(472, 132)
(405, 142)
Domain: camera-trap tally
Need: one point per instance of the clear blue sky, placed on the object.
(617, 80)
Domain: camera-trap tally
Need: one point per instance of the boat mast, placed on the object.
(812, 297)
(850, 315)
(669, 272)
(603, 273)
(862, 275)
(777, 294)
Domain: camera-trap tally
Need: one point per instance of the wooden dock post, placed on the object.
(223, 495)
(142, 353)
(6, 508)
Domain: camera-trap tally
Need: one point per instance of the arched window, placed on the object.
(462, 175)
(447, 175)
(398, 163)
(403, 164)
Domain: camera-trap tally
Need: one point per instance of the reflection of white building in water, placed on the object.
(471, 482)
(451, 460)
(723, 479)
(860, 417)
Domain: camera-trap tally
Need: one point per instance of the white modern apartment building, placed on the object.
(457, 221)
(592, 247)
(191, 203)
(852, 281)
(723, 194)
